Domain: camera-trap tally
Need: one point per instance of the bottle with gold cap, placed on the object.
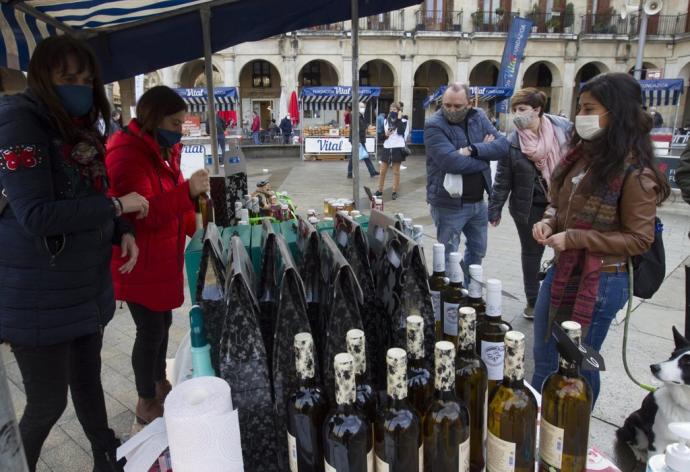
(512, 415)
(437, 284)
(398, 429)
(366, 397)
(307, 409)
(420, 386)
(471, 385)
(447, 422)
(347, 434)
(566, 406)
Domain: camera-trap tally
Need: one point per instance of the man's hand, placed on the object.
(489, 138)
(128, 247)
(466, 151)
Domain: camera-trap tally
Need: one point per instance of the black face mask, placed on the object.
(392, 116)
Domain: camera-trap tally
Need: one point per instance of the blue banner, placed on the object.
(202, 93)
(513, 51)
(338, 90)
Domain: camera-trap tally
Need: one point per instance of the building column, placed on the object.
(405, 93)
(346, 78)
(288, 83)
(168, 77)
(462, 71)
(568, 89)
(229, 72)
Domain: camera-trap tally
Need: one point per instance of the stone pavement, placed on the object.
(650, 339)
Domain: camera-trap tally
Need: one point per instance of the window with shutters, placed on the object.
(261, 74)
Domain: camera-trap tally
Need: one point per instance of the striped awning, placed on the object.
(334, 98)
(661, 92)
(20, 34)
(197, 98)
(485, 94)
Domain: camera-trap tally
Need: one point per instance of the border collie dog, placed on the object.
(646, 430)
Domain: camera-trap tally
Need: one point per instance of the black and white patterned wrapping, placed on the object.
(267, 292)
(219, 198)
(309, 262)
(236, 189)
(514, 368)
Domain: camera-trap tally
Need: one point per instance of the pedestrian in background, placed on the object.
(393, 150)
(536, 147)
(602, 210)
(363, 125)
(145, 158)
(286, 128)
(57, 230)
(256, 128)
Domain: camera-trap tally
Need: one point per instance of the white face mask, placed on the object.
(523, 119)
(362, 110)
(587, 126)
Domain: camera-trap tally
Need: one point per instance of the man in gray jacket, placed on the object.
(460, 140)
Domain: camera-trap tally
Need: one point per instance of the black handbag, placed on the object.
(649, 269)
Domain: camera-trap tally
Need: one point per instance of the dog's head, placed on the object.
(676, 370)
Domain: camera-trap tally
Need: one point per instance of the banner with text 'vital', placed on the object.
(513, 51)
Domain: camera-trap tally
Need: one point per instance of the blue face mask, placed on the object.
(77, 99)
(168, 138)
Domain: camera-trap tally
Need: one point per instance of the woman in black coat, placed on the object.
(393, 150)
(56, 232)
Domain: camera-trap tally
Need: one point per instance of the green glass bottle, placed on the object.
(437, 284)
(474, 292)
(447, 422)
(452, 299)
(566, 406)
(420, 386)
(491, 333)
(512, 415)
(366, 398)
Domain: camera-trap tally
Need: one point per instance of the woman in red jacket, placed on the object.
(145, 157)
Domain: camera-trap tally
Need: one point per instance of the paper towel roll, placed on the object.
(203, 430)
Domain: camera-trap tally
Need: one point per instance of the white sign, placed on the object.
(193, 158)
(339, 145)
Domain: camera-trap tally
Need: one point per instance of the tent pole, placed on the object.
(675, 117)
(205, 13)
(354, 115)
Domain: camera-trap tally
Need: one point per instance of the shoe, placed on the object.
(106, 461)
(378, 193)
(528, 312)
(163, 387)
(349, 176)
(402, 167)
(148, 409)
(375, 174)
(395, 195)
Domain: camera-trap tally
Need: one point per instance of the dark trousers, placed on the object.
(367, 161)
(47, 371)
(531, 254)
(150, 347)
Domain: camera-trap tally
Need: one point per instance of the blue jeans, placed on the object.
(255, 136)
(367, 161)
(472, 219)
(612, 297)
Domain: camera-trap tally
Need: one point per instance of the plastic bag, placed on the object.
(453, 185)
(363, 153)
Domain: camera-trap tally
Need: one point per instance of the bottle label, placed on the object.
(421, 458)
(436, 303)
(381, 465)
(292, 452)
(500, 454)
(370, 461)
(450, 319)
(464, 456)
(551, 444)
(328, 467)
(493, 355)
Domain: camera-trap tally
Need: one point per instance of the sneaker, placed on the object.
(378, 193)
(376, 174)
(528, 312)
(395, 195)
(402, 167)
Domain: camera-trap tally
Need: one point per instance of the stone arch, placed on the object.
(261, 89)
(328, 74)
(645, 67)
(11, 81)
(545, 76)
(380, 73)
(191, 74)
(152, 79)
(484, 73)
(428, 76)
(303, 61)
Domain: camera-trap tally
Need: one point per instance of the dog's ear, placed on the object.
(679, 339)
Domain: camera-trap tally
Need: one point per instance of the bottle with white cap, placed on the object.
(677, 458)
(452, 298)
(491, 333)
(437, 284)
(474, 291)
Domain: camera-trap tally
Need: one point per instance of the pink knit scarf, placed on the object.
(542, 149)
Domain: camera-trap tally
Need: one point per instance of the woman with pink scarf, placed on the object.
(538, 143)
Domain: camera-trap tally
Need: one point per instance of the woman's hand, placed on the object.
(128, 247)
(541, 231)
(495, 222)
(199, 183)
(557, 241)
(135, 203)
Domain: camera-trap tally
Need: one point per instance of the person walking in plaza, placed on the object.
(460, 140)
(363, 125)
(286, 128)
(393, 150)
(220, 135)
(683, 174)
(537, 145)
(256, 128)
(57, 228)
(603, 199)
(145, 158)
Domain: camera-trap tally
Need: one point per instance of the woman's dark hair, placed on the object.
(157, 103)
(529, 96)
(52, 54)
(627, 133)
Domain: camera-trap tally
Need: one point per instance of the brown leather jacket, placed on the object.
(635, 218)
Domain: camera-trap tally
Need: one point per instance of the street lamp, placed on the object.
(649, 8)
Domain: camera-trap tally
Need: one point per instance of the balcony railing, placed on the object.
(554, 22)
(438, 20)
(659, 25)
(391, 21)
(604, 24)
(490, 22)
(334, 27)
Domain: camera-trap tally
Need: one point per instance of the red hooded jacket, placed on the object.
(135, 164)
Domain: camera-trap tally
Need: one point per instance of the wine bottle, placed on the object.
(512, 415)
(205, 213)
(565, 411)
(474, 295)
(471, 385)
(491, 333)
(398, 430)
(451, 299)
(366, 398)
(347, 434)
(419, 383)
(307, 409)
(447, 422)
(437, 284)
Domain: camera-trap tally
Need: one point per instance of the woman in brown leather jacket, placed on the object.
(604, 195)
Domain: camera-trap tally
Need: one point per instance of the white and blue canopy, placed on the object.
(133, 37)
(334, 98)
(484, 93)
(659, 92)
(197, 98)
